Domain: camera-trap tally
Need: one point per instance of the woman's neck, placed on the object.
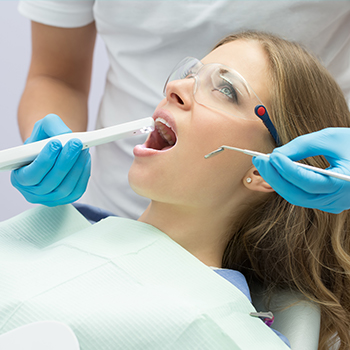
(204, 233)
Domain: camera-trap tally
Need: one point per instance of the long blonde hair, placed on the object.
(282, 245)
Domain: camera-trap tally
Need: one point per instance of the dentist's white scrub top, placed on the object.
(145, 39)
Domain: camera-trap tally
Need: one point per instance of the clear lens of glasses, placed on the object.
(219, 87)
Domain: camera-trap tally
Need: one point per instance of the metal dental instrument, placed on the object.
(16, 157)
(254, 153)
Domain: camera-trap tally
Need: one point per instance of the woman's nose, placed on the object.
(180, 92)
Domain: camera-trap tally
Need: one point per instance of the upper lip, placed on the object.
(167, 116)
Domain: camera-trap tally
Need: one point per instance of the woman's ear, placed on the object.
(254, 181)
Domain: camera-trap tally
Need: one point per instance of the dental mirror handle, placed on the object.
(16, 157)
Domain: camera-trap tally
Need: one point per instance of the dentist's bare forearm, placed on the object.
(59, 76)
(44, 95)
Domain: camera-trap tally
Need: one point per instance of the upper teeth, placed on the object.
(161, 120)
(163, 132)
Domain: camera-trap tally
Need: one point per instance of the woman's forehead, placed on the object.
(249, 59)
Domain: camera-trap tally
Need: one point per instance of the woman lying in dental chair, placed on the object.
(149, 283)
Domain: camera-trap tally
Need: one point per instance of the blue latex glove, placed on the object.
(59, 175)
(307, 188)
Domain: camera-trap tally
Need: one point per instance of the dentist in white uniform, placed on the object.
(144, 40)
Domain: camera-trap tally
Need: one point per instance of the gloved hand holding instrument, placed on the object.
(307, 186)
(304, 187)
(53, 167)
(59, 174)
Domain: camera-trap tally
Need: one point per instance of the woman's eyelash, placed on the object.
(232, 91)
(186, 73)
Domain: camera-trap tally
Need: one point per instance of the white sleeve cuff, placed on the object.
(66, 14)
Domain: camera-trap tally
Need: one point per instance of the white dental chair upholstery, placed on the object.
(296, 318)
(45, 335)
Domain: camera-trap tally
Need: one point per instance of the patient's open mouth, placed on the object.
(163, 137)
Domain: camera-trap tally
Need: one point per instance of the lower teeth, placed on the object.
(165, 136)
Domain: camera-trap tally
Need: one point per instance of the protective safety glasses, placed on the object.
(222, 88)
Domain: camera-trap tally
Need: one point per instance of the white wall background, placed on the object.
(15, 51)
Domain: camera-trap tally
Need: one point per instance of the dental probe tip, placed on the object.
(245, 151)
(214, 153)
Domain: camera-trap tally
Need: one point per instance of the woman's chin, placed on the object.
(139, 181)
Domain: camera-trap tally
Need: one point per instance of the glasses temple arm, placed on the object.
(261, 113)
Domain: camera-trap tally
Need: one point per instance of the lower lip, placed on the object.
(143, 151)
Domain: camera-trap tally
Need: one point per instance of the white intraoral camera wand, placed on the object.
(254, 153)
(16, 157)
